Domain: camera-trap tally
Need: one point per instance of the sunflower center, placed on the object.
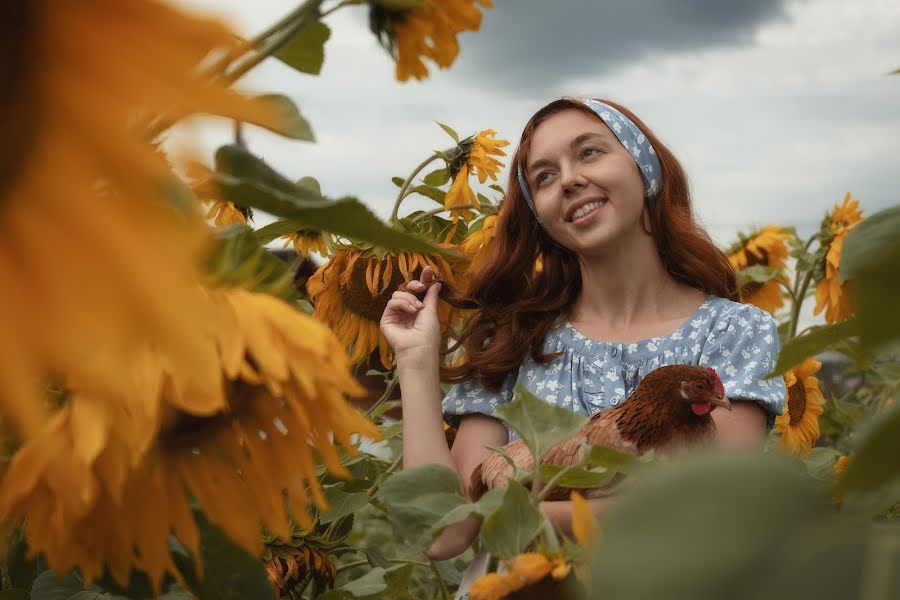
(18, 105)
(357, 297)
(796, 403)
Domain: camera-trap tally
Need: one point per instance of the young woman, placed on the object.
(627, 281)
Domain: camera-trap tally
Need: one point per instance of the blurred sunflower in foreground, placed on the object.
(109, 477)
(92, 254)
(799, 425)
(476, 157)
(428, 31)
(529, 575)
(833, 294)
(351, 291)
(768, 248)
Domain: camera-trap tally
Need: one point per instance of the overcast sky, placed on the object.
(776, 109)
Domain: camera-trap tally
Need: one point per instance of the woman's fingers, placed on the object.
(411, 298)
(427, 276)
(431, 297)
(402, 305)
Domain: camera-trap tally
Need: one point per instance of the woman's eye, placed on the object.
(541, 177)
(589, 152)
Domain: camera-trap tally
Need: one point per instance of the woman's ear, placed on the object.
(645, 219)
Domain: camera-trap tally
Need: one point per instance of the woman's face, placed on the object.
(586, 187)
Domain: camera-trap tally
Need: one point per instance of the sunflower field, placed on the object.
(186, 415)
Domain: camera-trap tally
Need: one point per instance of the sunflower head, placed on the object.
(425, 32)
(833, 294)
(290, 563)
(799, 425)
(474, 156)
(529, 575)
(305, 241)
(351, 291)
(764, 248)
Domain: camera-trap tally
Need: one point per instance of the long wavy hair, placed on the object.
(516, 306)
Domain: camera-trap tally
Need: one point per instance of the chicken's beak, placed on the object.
(722, 401)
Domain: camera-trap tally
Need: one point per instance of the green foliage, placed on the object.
(306, 50)
(293, 125)
(794, 351)
(876, 464)
(378, 583)
(341, 503)
(539, 423)
(239, 259)
(246, 180)
(509, 529)
(50, 586)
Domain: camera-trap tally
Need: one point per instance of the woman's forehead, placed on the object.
(564, 130)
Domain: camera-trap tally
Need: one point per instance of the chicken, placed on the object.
(668, 412)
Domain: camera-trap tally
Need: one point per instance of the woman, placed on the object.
(598, 274)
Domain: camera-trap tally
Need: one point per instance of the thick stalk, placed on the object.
(403, 189)
(391, 384)
(445, 594)
(798, 294)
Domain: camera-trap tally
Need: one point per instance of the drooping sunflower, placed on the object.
(91, 253)
(91, 495)
(766, 247)
(429, 31)
(529, 575)
(291, 562)
(351, 291)
(305, 241)
(477, 158)
(799, 425)
(832, 292)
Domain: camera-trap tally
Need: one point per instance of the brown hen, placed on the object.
(668, 412)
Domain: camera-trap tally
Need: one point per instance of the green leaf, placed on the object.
(820, 463)
(50, 586)
(310, 183)
(539, 423)
(278, 229)
(619, 462)
(511, 528)
(796, 350)
(486, 505)
(377, 583)
(705, 528)
(248, 181)
(15, 594)
(897, 72)
(875, 463)
(576, 476)
(229, 573)
(398, 181)
(450, 132)
(240, 260)
(306, 51)
(437, 177)
(376, 557)
(868, 242)
(341, 504)
(21, 570)
(409, 484)
(293, 125)
(757, 274)
(431, 192)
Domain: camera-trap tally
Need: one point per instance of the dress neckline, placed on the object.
(684, 325)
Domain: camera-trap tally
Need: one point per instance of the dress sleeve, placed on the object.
(471, 397)
(743, 347)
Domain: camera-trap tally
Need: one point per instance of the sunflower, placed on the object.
(91, 495)
(584, 526)
(767, 248)
(306, 241)
(529, 575)
(832, 292)
(91, 253)
(476, 158)
(799, 425)
(426, 32)
(351, 291)
(290, 563)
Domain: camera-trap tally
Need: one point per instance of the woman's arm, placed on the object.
(742, 428)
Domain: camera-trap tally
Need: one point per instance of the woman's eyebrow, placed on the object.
(577, 141)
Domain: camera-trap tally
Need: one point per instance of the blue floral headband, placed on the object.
(634, 141)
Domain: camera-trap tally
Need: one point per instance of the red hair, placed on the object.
(517, 306)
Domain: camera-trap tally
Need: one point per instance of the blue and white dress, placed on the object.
(739, 340)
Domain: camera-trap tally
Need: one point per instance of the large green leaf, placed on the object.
(229, 573)
(876, 462)
(240, 260)
(757, 274)
(377, 583)
(293, 125)
(619, 462)
(341, 504)
(409, 484)
(796, 350)
(246, 180)
(576, 476)
(868, 241)
(486, 505)
(278, 229)
(539, 423)
(706, 528)
(50, 586)
(509, 530)
(306, 50)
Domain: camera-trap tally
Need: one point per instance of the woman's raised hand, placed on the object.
(411, 325)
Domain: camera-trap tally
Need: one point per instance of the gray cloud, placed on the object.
(537, 43)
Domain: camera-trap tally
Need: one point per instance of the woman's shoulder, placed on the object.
(723, 309)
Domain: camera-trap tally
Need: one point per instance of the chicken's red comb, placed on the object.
(717, 382)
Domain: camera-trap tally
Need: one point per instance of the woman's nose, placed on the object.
(572, 180)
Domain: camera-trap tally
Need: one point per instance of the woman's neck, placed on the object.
(627, 289)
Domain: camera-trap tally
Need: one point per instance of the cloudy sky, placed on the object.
(776, 108)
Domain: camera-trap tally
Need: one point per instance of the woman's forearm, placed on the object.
(423, 432)
(560, 511)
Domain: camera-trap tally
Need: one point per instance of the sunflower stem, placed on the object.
(548, 532)
(393, 466)
(391, 384)
(403, 189)
(445, 594)
(798, 302)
